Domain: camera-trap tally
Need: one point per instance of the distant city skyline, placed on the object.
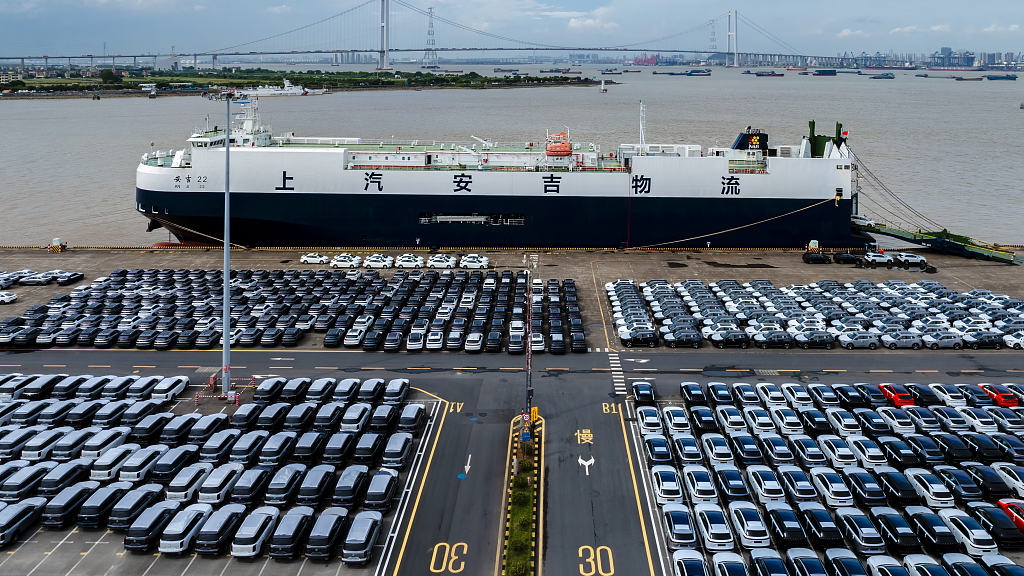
(133, 26)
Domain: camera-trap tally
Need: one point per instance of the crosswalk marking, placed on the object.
(618, 378)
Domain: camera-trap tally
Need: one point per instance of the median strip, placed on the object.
(523, 485)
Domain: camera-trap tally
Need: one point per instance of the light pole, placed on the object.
(225, 384)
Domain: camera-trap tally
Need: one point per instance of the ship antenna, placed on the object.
(643, 127)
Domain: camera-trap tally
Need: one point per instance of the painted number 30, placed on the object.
(443, 560)
(596, 561)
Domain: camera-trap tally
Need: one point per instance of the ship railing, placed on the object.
(466, 168)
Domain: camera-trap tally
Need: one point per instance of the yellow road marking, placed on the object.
(826, 370)
(55, 365)
(879, 371)
(636, 493)
(645, 369)
(787, 370)
(463, 368)
(540, 517)
(279, 367)
(600, 306)
(421, 368)
(10, 366)
(509, 368)
(423, 481)
(691, 369)
(143, 366)
(325, 367)
(108, 366)
(925, 370)
(373, 368)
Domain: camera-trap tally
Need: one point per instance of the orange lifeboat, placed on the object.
(558, 145)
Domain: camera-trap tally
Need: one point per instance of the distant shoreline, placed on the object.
(68, 95)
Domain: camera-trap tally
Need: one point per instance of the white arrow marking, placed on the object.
(467, 463)
(637, 360)
(587, 463)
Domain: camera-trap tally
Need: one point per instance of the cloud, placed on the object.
(564, 14)
(14, 6)
(998, 28)
(904, 30)
(279, 9)
(199, 7)
(596, 19)
(941, 28)
(916, 30)
(847, 32)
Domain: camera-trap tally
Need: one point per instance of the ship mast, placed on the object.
(643, 128)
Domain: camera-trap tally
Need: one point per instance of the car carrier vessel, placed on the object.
(290, 190)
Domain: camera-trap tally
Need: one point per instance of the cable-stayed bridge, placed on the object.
(382, 27)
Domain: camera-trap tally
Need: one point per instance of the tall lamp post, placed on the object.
(225, 384)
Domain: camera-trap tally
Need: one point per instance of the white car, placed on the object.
(714, 528)
(346, 260)
(474, 342)
(943, 340)
(1015, 340)
(929, 488)
(716, 448)
(409, 261)
(878, 258)
(185, 485)
(474, 261)
(830, 485)
(668, 488)
(897, 419)
(313, 258)
(674, 418)
(797, 396)
(765, 484)
(8, 297)
(730, 419)
(787, 421)
(949, 395)
(378, 261)
(837, 451)
(442, 261)
(867, 452)
(771, 395)
(688, 563)
(538, 342)
(881, 565)
(853, 340)
(254, 532)
(699, 484)
(648, 419)
(978, 419)
(759, 421)
(909, 258)
(749, 525)
(843, 422)
(179, 534)
(974, 539)
(921, 565)
(1012, 474)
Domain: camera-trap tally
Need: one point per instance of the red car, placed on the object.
(897, 394)
(1000, 394)
(1014, 508)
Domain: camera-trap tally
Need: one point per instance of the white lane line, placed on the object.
(9, 554)
(187, 566)
(301, 566)
(652, 506)
(410, 484)
(47, 555)
(226, 565)
(87, 552)
(261, 569)
(151, 564)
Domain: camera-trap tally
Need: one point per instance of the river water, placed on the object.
(952, 150)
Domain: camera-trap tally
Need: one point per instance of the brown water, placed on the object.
(953, 150)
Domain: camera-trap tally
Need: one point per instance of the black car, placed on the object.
(647, 338)
(187, 339)
(983, 448)
(923, 395)
(992, 340)
(815, 339)
(991, 483)
(164, 341)
(719, 393)
(644, 394)
(785, 527)
(994, 519)
(845, 258)
(872, 393)
(897, 487)
(814, 422)
(657, 450)
(493, 343)
(820, 526)
(865, 488)
(578, 342)
(929, 450)
(871, 423)
(953, 448)
(736, 338)
(816, 258)
(128, 338)
(959, 483)
(271, 337)
(87, 335)
(899, 453)
(746, 449)
(931, 531)
(896, 531)
(730, 484)
(683, 337)
(373, 340)
(333, 337)
(774, 339)
(146, 339)
(692, 393)
(850, 399)
(702, 421)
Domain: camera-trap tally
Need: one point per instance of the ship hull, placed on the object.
(360, 220)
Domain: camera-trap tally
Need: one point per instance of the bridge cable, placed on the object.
(769, 35)
(354, 8)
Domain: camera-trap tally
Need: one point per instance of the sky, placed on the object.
(37, 27)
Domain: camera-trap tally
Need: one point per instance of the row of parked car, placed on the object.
(212, 483)
(872, 469)
(414, 310)
(347, 260)
(824, 314)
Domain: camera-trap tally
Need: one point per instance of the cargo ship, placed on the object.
(290, 190)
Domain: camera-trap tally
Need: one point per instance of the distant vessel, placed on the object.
(955, 68)
(506, 70)
(908, 67)
(824, 73)
(611, 72)
(1001, 76)
(962, 79)
(883, 76)
(289, 89)
(555, 71)
(634, 71)
(768, 74)
(791, 69)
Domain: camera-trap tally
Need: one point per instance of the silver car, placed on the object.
(943, 340)
(901, 339)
